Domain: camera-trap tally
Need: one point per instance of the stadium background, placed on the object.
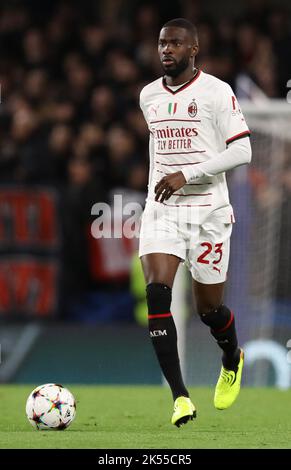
(72, 307)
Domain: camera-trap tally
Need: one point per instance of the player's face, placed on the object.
(176, 49)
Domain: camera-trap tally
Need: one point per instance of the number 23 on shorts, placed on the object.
(209, 248)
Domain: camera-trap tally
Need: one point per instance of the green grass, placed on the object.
(139, 418)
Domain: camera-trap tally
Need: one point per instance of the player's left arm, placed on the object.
(238, 153)
(233, 128)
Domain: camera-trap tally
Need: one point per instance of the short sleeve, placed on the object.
(142, 104)
(229, 117)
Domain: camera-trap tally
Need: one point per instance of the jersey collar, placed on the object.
(182, 87)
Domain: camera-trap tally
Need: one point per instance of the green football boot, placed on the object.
(184, 410)
(228, 385)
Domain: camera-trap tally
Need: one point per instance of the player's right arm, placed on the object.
(151, 137)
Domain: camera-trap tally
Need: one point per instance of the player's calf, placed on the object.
(163, 334)
(222, 327)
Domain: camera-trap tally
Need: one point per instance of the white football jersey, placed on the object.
(189, 125)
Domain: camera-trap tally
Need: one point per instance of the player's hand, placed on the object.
(168, 185)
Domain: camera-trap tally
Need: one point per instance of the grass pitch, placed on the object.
(139, 418)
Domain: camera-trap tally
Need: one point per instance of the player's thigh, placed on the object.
(208, 258)
(161, 246)
(160, 268)
(207, 296)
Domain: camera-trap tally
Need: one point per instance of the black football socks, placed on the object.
(163, 334)
(222, 327)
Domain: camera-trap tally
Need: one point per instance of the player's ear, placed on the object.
(195, 50)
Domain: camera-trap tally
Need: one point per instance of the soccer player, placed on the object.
(197, 133)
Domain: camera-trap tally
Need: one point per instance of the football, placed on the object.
(50, 407)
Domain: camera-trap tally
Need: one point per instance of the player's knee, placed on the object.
(208, 311)
(159, 297)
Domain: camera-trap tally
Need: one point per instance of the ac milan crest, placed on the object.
(192, 109)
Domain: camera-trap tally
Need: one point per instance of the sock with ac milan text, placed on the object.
(222, 327)
(164, 336)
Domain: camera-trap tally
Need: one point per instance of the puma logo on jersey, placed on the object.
(155, 333)
(154, 110)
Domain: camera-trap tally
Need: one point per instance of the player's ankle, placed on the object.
(230, 360)
(179, 394)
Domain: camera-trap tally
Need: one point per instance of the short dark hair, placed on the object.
(185, 24)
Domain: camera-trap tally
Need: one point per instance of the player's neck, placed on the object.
(184, 77)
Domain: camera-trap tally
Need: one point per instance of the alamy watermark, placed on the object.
(117, 220)
(131, 220)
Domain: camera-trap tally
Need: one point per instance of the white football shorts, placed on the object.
(203, 248)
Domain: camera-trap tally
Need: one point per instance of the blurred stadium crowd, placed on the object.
(70, 75)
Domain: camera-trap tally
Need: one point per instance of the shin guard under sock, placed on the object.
(222, 327)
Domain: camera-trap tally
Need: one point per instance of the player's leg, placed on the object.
(209, 265)
(159, 271)
(219, 318)
(216, 315)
